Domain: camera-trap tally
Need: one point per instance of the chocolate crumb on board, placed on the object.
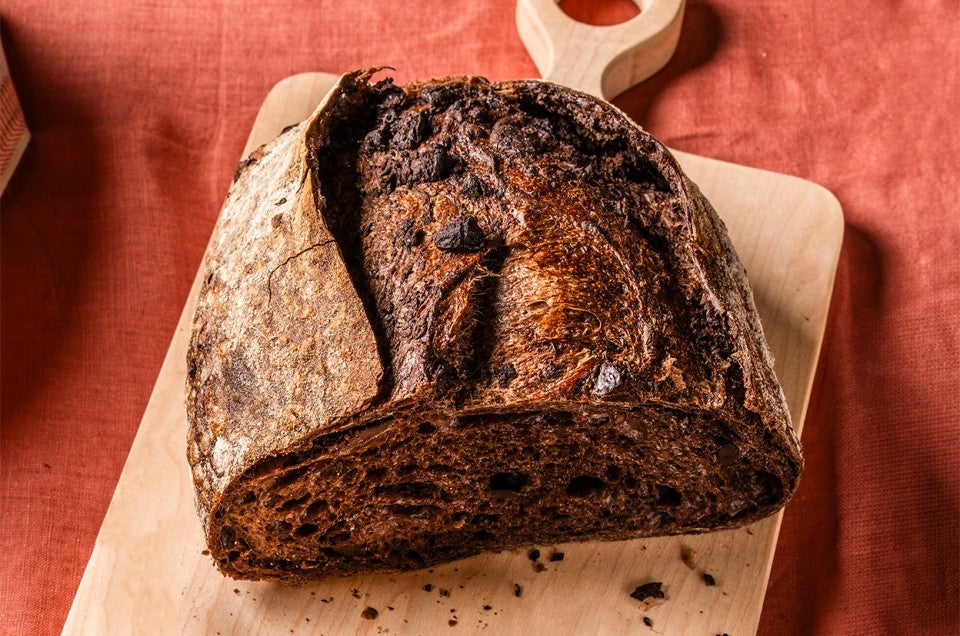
(556, 556)
(487, 607)
(370, 613)
(647, 621)
(355, 592)
(648, 590)
(389, 608)
(539, 567)
(534, 554)
(517, 590)
(444, 592)
(428, 587)
(689, 556)
(708, 579)
(205, 552)
(236, 591)
(452, 623)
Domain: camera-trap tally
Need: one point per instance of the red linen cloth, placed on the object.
(139, 112)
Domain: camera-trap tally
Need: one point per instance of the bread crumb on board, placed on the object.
(652, 590)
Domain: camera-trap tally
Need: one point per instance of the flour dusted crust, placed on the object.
(463, 316)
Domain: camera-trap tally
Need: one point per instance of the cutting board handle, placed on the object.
(601, 60)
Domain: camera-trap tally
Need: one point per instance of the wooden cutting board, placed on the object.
(147, 574)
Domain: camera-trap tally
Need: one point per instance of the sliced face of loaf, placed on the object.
(461, 316)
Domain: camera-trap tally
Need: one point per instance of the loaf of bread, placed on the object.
(460, 316)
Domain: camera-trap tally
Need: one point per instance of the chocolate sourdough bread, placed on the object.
(461, 316)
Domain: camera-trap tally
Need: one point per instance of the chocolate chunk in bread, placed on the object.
(461, 316)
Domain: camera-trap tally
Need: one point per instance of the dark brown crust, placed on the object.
(412, 271)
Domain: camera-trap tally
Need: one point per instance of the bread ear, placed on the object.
(263, 339)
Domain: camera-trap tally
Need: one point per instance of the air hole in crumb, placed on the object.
(376, 473)
(316, 507)
(668, 496)
(584, 486)
(293, 503)
(289, 477)
(426, 428)
(509, 482)
(613, 472)
(306, 530)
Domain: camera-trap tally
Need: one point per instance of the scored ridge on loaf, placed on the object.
(462, 316)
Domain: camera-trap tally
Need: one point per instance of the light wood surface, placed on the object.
(600, 60)
(147, 574)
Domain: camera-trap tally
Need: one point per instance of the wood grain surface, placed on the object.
(147, 573)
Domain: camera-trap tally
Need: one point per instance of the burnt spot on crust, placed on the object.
(411, 129)
(243, 165)
(462, 234)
